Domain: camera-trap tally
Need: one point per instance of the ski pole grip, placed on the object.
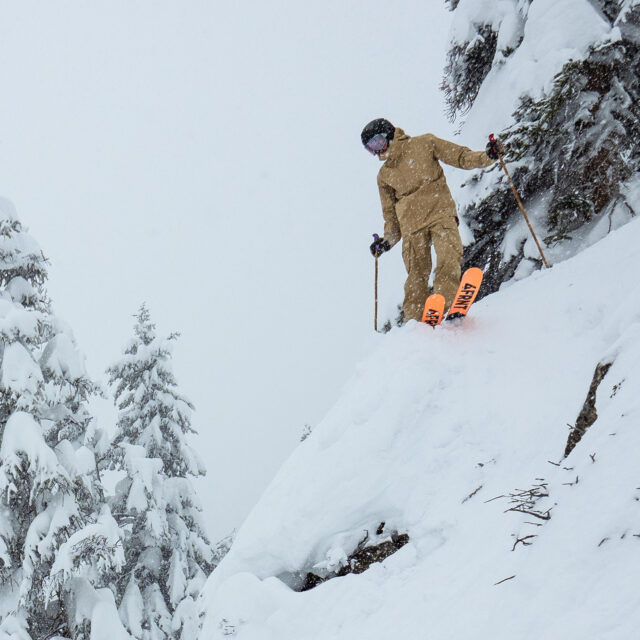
(376, 237)
(492, 138)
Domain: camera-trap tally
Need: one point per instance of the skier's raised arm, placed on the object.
(458, 156)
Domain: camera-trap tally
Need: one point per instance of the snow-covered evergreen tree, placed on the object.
(581, 142)
(167, 552)
(57, 538)
(573, 137)
(489, 33)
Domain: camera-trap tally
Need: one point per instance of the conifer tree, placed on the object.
(468, 64)
(51, 499)
(167, 553)
(610, 8)
(487, 39)
(575, 150)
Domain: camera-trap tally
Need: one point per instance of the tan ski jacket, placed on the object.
(413, 189)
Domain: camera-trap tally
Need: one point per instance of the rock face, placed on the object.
(589, 414)
(362, 558)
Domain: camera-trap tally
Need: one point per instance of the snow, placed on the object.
(17, 323)
(502, 15)
(144, 473)
(105, 623)
(137, 499)
(20, 373)
(12, 628)
(553, 33)
(85, 461)
(432, 427)
(177, 581)
(77, 462)
(8, 209)
(105, 531)
(22, 435)
(62, 358)
(98, 606)
(20, 289)
(14, 250)
(185, 619)
(626, 8)
(131, 609)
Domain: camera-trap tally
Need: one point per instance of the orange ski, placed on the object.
(433, 310)
(467, 292)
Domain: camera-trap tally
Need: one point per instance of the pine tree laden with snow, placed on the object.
(51, 500)
(490, 33)
(610, 8)
(25, 312)
(596, 101)
(558, 83)
(468, 64)
(167, 552)
(575, 151)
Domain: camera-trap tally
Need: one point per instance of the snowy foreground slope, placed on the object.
(428, 419)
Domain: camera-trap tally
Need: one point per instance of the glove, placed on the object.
(379, 246)
(494, 147)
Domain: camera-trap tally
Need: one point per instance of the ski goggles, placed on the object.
(377, 143)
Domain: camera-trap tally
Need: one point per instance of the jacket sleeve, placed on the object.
(458, 156)
(388, 199)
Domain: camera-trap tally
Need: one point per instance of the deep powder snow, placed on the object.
(433, 427)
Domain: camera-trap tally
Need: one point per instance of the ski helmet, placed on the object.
(375, 127)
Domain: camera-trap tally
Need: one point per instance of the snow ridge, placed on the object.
(435, 434)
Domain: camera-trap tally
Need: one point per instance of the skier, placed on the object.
(417, 206)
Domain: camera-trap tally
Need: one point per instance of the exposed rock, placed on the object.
(362, 558)
(588, 414)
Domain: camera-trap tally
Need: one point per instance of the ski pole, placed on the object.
(375, 311)
(375, 318)
(492, 139)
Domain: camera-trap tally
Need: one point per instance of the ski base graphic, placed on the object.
(467, 292)
(433, 310)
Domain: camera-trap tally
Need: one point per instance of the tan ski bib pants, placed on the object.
(416, 253)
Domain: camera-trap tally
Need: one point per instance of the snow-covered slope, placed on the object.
(432, 427)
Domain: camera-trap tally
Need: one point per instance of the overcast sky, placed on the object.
(204, 157)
